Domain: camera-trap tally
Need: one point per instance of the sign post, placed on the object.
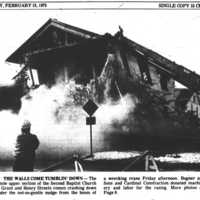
(91, 150)
(90, 108)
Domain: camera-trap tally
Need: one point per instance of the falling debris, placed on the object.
(133, 86)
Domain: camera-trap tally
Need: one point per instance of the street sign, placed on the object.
(90, 120)
(90, 107)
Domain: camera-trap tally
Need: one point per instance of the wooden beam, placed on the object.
(31, 73)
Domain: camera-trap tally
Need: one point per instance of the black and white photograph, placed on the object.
(99, 90)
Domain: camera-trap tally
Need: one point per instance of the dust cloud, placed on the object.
(60, 124)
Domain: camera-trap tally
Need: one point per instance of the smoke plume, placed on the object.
(60, 123)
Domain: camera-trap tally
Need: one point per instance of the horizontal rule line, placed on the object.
(100, 9)
(104, 2)
(101, 5)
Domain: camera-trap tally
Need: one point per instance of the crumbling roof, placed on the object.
(178, 72)
(17, 55)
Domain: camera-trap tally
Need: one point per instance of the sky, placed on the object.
(173, 34)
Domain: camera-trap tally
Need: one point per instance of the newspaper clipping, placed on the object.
(99, 100)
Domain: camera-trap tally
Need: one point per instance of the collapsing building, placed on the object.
(64, 51)
(111, 65)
